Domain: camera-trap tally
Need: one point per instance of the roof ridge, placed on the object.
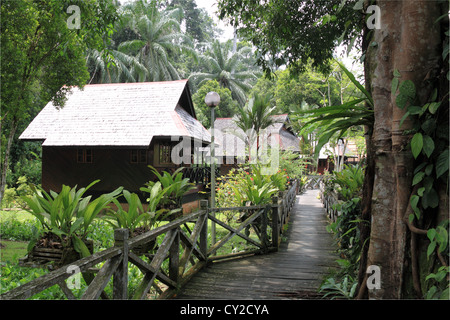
(129, 83)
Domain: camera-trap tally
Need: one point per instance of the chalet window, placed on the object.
(165, 153)
(84, 156)
(138, 156)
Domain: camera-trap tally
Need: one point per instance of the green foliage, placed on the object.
(13, 275)
(344, 289)
(258, 189)
(438, 238)
(227, 107)
(249, 186)
(300, 34)
(198, 24)
(346, 230)
(225, 195)
(428, 126)
(129, 219)
(12, 196)
(429, 144)
(339, 119)
(174, 186)
(227, 67)
(441, 288)
(67, 214)
(292, 164)
(42, 58)
(136, 216)
(160, 37)
(253, 118)
(13, 228)
(349, 182)
(24, 163)
(9, 197)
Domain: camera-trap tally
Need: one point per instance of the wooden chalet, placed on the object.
(231, 148)
(346, 152)
(112, 132)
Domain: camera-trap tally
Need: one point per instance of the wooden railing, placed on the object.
(183, 251)
(199, 175)
(329, 199)
(313, 182)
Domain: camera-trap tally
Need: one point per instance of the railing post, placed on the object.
(204, 231)
(174, 258)
(275, 226)
(120, 281)
(264, 227)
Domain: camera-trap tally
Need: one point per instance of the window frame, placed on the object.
(138, 156)
(85, 156)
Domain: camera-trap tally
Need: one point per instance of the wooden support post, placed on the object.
(174, 258)
(120, 282)
(204, 231)
(264, 228)
(275, 226)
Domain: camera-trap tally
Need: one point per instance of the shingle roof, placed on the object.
(125, 114)
(228, 136)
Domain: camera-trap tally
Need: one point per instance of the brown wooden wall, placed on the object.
(112, 166)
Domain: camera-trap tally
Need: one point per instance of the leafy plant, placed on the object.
(350, 181)
(294, 166)
(428, 128)
(174, 184)
(256, 188)
(440, 290)
(339, 119)
(136, 216)
(156, 195)
(128, 219)
(67, 214)
(346, 228)
(344, 289)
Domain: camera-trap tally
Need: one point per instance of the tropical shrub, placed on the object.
(12, 196)
(348, 182)
(67, 214)
(294, 166)
(129, 219)
(9, 197)
(136, 216)
(346, 230)
(225, 195)
(174, 184)
(249, 186)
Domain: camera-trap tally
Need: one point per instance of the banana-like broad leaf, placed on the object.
(80, 247)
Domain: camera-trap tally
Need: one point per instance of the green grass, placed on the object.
(19, 215)
(11, 251)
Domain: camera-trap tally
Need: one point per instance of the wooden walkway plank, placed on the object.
(294, 272)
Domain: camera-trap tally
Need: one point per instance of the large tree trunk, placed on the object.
(408, 41)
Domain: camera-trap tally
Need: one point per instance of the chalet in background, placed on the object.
(112, 132)
(232, 149)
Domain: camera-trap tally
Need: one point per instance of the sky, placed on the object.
(211, 7)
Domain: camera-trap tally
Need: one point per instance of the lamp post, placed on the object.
(212, 100)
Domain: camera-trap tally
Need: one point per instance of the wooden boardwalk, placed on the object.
(294, 272)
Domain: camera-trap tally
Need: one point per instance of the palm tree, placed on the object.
(113, 67)
(160, 37)
(223, 64)
(253, 118)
